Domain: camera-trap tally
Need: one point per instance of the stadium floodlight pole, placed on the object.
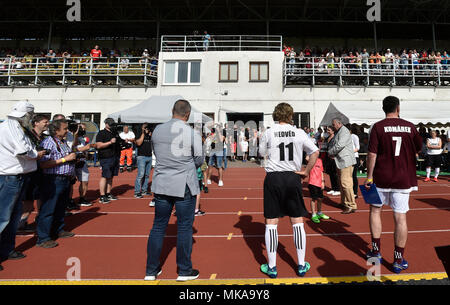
(434, 36)
(49, 42)
(157, 36)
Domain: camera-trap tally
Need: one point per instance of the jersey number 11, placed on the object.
(290, 146)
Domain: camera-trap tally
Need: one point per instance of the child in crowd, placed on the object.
(316, 184)
(200, 176)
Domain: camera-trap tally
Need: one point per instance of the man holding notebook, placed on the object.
(391, 165)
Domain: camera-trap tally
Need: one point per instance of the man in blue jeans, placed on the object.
(178, 151)
(19, 157)
(144, 161)
(58, 168)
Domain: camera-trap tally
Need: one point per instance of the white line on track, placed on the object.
(260, 198)
(246, 236)
(244, 212)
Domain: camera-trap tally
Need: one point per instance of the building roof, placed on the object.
(139, 18)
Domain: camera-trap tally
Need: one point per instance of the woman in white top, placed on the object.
(434, 152)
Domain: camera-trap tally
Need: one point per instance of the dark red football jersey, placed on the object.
(396, 142)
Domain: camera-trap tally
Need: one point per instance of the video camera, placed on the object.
(115, 131)
(73, 124)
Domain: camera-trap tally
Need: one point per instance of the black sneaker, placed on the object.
(27, 228)
(47, 244)
(146, 193)
(206, 190)
(14, 255)
(111, 197)
(129, 169)
(153, 277)
(72, 206)
(138, 195)
(1, 267)
(104, 200)
(199, 213)
(84, 203)
(121, 169)
(188, 277)
(65, 234)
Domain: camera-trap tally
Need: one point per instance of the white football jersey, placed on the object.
(284, 145)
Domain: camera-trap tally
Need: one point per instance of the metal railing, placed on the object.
(348, 71)
(89, 71)
(198, 43)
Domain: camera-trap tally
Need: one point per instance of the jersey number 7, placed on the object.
(398, 145)
(290, 146)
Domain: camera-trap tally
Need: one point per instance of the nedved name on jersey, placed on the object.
(284, 134)
(397, 129)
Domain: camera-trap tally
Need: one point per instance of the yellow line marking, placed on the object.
(213, 281)
(229, 236)
(239, 213)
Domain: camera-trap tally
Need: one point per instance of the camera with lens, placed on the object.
(79, 155)
(47, 151)
(124, 144)
(73, 124)
(79, 163)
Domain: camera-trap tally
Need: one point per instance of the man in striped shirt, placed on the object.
(59, 169)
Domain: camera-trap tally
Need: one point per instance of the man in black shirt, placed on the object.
(108, 155)
(144, 161)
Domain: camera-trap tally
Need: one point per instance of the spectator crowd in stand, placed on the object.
(328, 59)
(27, 57)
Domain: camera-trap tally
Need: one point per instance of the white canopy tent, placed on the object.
(367, 113)
(156, 109)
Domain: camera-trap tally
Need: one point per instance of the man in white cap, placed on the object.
(19, 156)
(145, 56)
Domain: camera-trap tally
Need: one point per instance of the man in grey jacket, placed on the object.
(342, 152)
(178, 152)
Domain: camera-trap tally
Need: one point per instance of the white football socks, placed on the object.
(271, 244)
(436, 172)
(300, 242)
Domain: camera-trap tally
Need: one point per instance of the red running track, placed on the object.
(111, 239)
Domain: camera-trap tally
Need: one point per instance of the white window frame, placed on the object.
(176, 83)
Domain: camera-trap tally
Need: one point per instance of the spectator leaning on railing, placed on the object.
(40, 125)
(19, 157)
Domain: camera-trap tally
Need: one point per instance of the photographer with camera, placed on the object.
(40, 125)
(81, 168)
(144, 161)
(127, 150)
(72, 141)
(108, 146)
(58, 169)
(19, 157)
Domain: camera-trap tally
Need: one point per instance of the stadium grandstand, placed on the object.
(321, 43)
